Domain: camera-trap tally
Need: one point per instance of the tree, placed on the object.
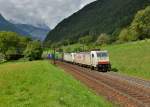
(34, 50)
(141, 24)
(103, 39)
(86, 39)
(8, 43)
(127, 35)
(22, 44)
(66, 42)
(3, 44)
(47, 44)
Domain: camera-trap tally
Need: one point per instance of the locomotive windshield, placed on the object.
(102, 54)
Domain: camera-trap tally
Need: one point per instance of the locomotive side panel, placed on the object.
(87, 60)
(82, 58)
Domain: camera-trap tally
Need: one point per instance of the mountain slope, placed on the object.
(24, 29)
(101, 16)
(7, 26)
(36, 32)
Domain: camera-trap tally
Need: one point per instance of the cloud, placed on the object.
(34, 12)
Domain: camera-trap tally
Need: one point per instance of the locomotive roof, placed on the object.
(86, 52)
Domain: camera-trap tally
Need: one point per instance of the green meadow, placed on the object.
(40, 84)
(131, 58)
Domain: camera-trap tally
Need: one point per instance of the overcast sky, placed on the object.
(50, 12)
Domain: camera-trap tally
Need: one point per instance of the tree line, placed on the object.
(14, 46)
(139, 29)
(95, 19)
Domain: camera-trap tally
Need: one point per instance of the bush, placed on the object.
(33, 51)
(86, 39)
(103, 39)
(141, 23)
(2, 58)
(12, 44)
(139, 28)
(127, 35)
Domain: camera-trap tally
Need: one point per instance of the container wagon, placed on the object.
(68, 57)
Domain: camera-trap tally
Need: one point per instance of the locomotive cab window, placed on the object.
(103, 54)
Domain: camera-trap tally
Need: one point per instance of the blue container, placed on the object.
(50, 56)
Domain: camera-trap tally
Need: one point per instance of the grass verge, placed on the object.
(39, 84)
(131, 58)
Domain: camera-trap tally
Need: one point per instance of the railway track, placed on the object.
(132, 80)
(121, 91)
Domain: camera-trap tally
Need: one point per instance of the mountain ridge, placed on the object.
(24, 29)
(36, 32)
(7, 26)
(98, 17)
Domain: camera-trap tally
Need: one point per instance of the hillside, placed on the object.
(7, 26)
(24, 29)
(36, 32)
(101, 16)
(131, 58)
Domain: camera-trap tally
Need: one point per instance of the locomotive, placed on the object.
(98, 60)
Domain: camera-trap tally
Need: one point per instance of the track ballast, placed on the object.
(116, 88)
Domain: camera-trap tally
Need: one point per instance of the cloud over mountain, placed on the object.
(40, 11)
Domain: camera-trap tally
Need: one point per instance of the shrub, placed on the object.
(12, 44)
(86, 39)
(103, 39)
(127, 35)
(140, 26)
(33, 51)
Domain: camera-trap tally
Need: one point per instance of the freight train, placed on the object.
(98, 60)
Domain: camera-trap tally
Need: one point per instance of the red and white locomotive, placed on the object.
(98, 60)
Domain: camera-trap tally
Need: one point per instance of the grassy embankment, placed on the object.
(39, 84)
(130, 58)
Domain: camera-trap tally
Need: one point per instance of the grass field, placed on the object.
(39, 84)
(131, 58)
